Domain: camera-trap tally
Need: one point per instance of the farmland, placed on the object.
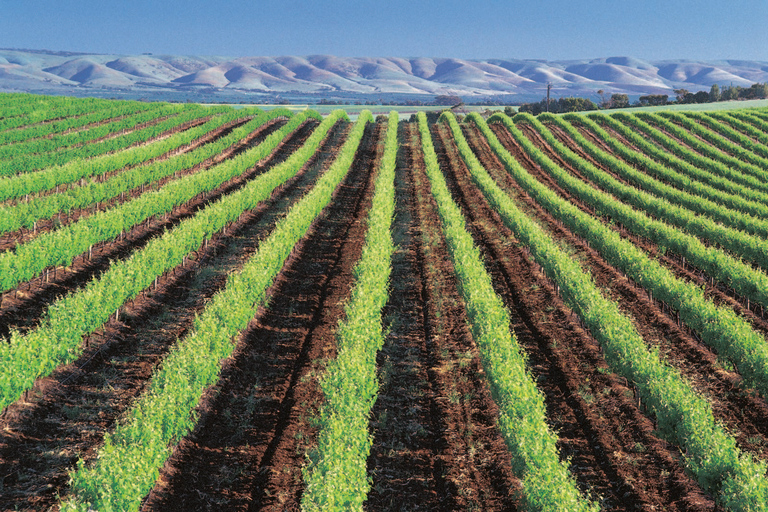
(208, 308)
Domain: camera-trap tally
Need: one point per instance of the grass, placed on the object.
(697, 107)
(405, 111)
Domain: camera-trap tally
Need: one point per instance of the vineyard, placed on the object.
(210, 308)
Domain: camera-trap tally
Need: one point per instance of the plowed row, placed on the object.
(436, 444)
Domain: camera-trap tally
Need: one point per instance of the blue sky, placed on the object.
(553, 30)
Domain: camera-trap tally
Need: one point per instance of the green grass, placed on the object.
(698, 107)
(404, 111)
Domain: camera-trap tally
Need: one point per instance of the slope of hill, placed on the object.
(327, 76)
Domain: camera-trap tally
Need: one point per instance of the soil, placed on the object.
(70, 411)
(742, 411)
(436, 443)
(719, 293)
(8, 241)
(612, 445)
(20, 309)
(257, 424)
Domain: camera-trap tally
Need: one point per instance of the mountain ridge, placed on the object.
(328, 76)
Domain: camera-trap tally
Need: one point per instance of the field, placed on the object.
(708, 107)
(210, 308)
(404, 111)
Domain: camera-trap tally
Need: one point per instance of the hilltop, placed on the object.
(364, 78)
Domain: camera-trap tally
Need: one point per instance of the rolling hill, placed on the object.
(329, 76)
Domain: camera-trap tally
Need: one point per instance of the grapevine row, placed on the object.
(32, 109)
(723, 136)
(729, 270)
(708, 144)
(58, 338)
(21, 149)
(719, 327)
(73, 121)
(682, 415)
(724, 183)
(26, 214)
(749, 117)
(15, 187)
(742, 128)
(692, 194)
(547, 482)
(62, 246)
(742, 277)
(27, 163)
(128, 464)
(337, 475)
(741, 174)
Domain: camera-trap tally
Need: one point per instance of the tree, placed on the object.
(572, 104)
(730, 93)
(755, 92)
(714, 93)
(701, 97)
(654, 99)
(619, 101)
(569, 104)
(533, 108)
(603, 99)
(682, 94)
(447, 99)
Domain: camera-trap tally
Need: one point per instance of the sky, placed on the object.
(475, 29)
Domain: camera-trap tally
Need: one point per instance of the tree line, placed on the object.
(616, 100)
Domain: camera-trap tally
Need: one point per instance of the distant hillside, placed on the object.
(325, 76)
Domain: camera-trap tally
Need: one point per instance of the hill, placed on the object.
(219, 78)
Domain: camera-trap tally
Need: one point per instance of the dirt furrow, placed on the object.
(128, 130)
(745, 414)
(696, 137)
(436, 445)
(612, 445)
(719, 293)
(21, 308)
(209, 137)
(76, 129)
(258, 423)
(41, 440)
(8, 241)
